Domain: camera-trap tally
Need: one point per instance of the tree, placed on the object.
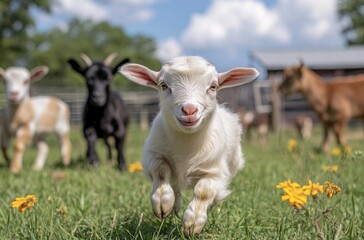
(352, 12)
(15, 24)
(97, 40)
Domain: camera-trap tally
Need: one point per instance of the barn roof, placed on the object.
(342, 58)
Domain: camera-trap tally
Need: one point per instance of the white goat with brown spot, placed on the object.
(193, 142)
(31, 118)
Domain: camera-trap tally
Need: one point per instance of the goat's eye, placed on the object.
(26, 82)
(213, 87)
(163, 85)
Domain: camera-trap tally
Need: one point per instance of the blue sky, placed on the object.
(222, 31)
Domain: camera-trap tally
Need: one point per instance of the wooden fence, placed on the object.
(142, 105)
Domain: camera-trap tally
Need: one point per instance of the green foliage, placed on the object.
(80, 202)
(15, 24)
(97, 40)
(20, 45)
(352, 12)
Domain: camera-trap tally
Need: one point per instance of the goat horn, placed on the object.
(86, 59)
(108, 60)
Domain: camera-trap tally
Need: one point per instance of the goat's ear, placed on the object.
(38, 73)
(117, 67)
(75, 66)
(140, 74)
(237, 76)
(301, 66)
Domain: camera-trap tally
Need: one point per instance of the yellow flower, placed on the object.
(292, 145)
(312, 189)
(336, 152)
(348, 149)
(135, 167)
(288, 184)
(326, 168)
(334, 168)
(23, 203)
(331, 189)
(295, 197)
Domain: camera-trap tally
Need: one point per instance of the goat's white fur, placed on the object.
(193, 142)
(28, 119)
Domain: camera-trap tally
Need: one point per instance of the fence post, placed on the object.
(276, 105)
(144, 118)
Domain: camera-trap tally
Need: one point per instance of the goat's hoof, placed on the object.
(192, 224)
(14, 169)
(121, 167)
(37, 168)
(94, 163)
(163, 201)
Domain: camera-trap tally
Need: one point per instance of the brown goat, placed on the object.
(253, 119)
(335, 101)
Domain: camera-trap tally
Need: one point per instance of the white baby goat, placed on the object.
(193, 142)
(30, 119)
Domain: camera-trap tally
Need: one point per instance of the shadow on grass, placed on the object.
(136, 226)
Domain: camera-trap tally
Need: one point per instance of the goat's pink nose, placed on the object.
(189, 109)
(13, 94)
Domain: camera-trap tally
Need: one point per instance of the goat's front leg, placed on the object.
(109, 151)
(339, 128)
(119, 143)
(162, 197)
(91, 154)
(23, 136)
(206, 192)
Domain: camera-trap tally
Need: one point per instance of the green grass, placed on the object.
(82, 202)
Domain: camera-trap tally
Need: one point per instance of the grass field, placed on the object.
(80, 202)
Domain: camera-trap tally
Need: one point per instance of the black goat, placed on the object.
(105, 112)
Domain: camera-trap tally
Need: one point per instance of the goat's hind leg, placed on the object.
(65, 148)
(41, 155)
(163, 196)
(4, 146)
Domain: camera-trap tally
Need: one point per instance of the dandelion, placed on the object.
(23, 203)
(333, 168)
(336, 152)
(331, 189)
(312, 188)
(292, 145)
(295, 197)
(288, 184)
(62, 210)
(326, 168)
(135, 167)
(348, 149)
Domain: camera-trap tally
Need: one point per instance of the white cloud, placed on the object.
(168, 49)
(234, 22)
(114, 11)
(136, 2)
(231, 24)
(83, 9)
(310, 22)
